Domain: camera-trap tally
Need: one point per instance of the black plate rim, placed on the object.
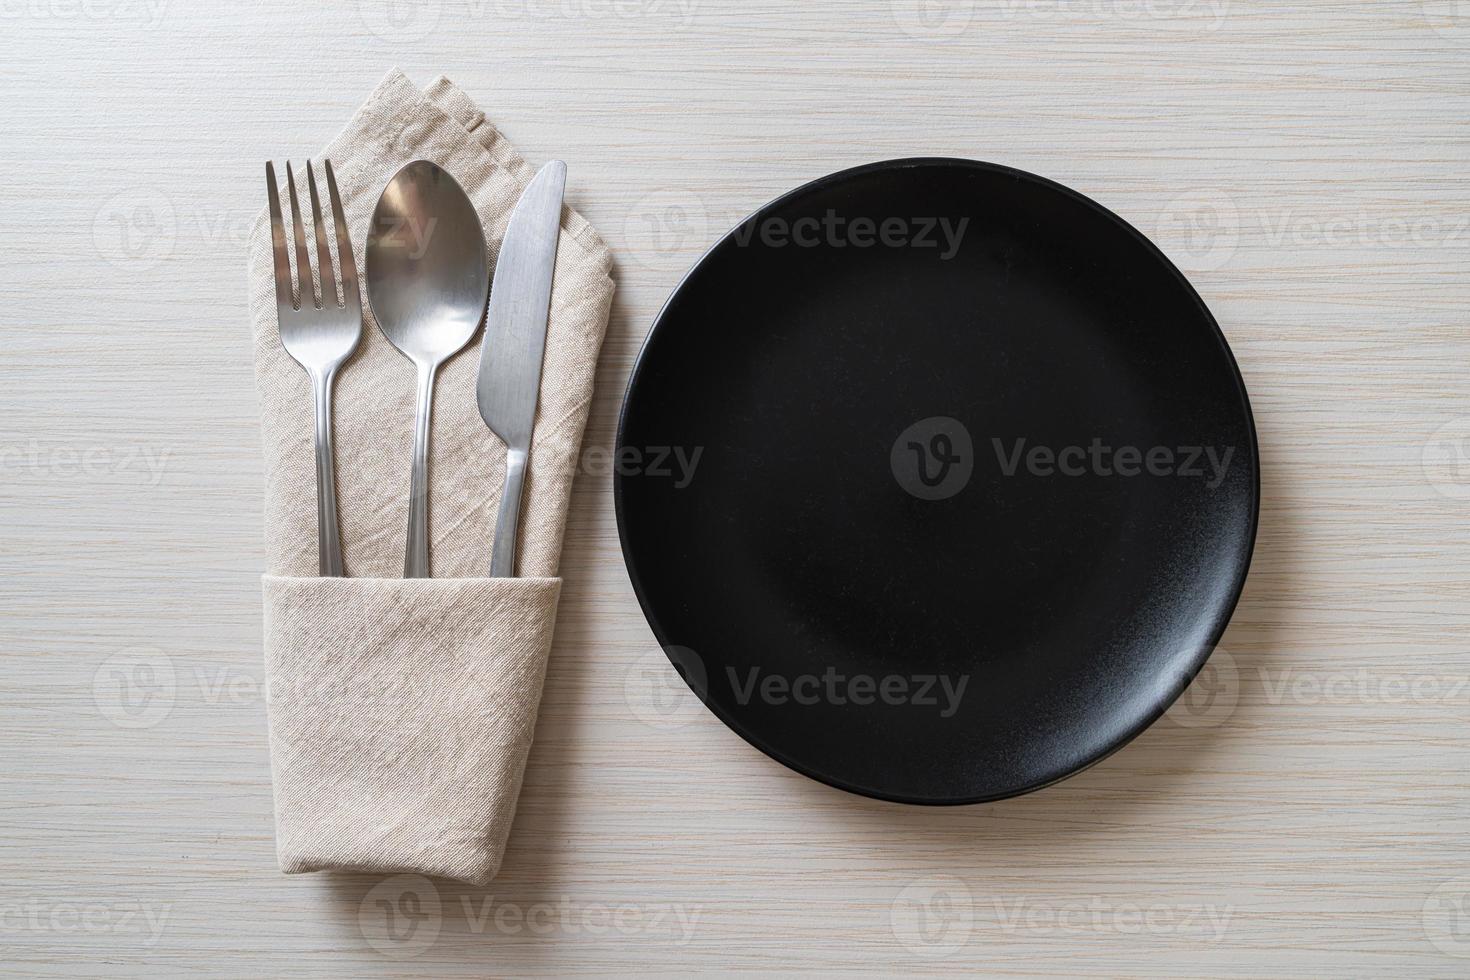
(1227, 610)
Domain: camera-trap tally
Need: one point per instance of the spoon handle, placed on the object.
(416, 559)
(507, 523)
(328, 537)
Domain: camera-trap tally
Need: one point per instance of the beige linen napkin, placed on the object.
(401, 711)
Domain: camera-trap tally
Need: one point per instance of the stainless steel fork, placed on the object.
(320, 330)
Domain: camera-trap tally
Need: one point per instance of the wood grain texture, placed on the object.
(1303, 163)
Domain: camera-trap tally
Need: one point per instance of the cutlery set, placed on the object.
(947, 628)
(428, 280)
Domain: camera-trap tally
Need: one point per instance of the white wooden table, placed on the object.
(1305, 164)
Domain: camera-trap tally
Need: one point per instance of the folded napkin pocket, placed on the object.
(401, 714)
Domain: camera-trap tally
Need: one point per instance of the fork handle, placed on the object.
(329, 536)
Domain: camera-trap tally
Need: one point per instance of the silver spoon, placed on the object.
(427, 279)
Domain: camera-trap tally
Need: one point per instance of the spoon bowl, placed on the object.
(428, 279)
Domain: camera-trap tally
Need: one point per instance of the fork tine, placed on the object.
(278, 239)
(304, 286)
(345, 258)
(323, 254)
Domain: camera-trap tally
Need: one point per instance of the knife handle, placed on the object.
(507, 523)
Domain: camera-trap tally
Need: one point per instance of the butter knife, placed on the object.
(515, 340)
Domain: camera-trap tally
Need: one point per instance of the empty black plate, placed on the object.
(936, 481)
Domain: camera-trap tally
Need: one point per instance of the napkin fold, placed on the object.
(401, 711)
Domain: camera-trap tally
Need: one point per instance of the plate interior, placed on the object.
(929, 465)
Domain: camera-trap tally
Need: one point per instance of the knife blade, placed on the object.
(515, 340)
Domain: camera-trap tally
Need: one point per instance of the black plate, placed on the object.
(841, 337)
